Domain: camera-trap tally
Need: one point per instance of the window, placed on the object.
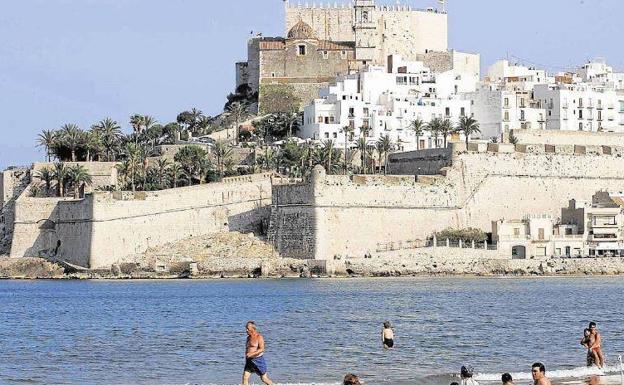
(335, 135)
(320, 119)
(580, 114)
(272, 74)
(506, 116)
(580, 126)
(365, 16)
(540, 235)
(447, 112)
(327, 135)
(462, 111)
(351, 112)
(344, 97)
(343, 54)
(331, 119)
(325, 55)
(540, 251)
(516, 232)
(301, 50)
(521, 114)
(558, 251)
(506, 102)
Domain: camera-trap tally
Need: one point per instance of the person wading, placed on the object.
(387, 336)
(595, 345)
(538, 371)
(254, 355)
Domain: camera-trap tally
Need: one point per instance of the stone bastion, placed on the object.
(337, 216)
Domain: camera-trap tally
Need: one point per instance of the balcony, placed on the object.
(611, 106)
(564, 105)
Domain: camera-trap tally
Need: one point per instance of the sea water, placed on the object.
(192, 332)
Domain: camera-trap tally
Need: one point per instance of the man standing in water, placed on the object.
(538, 371)
(595, 345)
(254, 351)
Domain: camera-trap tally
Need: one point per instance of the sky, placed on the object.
(79, 61)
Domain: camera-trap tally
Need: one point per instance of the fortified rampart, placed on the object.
(12, 183)
(339, 216)
(108, 227)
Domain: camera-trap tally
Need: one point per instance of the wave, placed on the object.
(580, 372)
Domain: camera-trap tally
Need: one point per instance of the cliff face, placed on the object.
(339, 216)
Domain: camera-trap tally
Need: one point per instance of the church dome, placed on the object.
(301, 30)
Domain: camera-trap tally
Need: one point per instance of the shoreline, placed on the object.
(411, 267)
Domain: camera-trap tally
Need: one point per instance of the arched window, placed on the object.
(365, 16)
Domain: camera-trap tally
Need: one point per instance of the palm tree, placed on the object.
(468, 126)
(111, 135)
(237, 111)
(362, 147)
(135, 156)
(384, 146)
(193, 160)
(162, 171)
(434, 127)
(46, 175)
(93, 143)
(78, 176)
(222, 152)
(73, 137)
(327, 150)
(136, 121)
(60, 175)
(176, 171)
(47, 139)
(291, 119)
(418, 127)
(446, 129)
(346, 130)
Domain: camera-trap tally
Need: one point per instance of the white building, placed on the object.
(537, 236)
(598, 71)
(387, 101)
(498, 109)
(582, 107)
(601, 221)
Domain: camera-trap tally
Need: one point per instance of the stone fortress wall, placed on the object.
(401, 29)
(345, 217)
(109, 227)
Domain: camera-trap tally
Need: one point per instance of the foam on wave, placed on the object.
(580, 372)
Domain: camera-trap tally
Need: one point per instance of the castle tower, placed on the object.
(365, 26)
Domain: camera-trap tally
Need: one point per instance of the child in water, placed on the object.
(387, 336)
(585, 343)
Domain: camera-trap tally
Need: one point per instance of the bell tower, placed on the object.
(365, 27)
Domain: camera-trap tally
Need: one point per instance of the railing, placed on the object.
(460, 245)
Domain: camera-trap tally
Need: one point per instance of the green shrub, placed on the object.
(466, 235)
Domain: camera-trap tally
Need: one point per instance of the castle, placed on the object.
(324, 41)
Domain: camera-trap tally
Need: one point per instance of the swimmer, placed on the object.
(595, 345)
(351, 379)
(538, 371)
(506, 379)
(254, 351)
(466, 375)
(387, 336)
(585, 343)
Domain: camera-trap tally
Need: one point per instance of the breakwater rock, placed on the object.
(29, 268)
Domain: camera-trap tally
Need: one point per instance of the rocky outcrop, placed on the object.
(29, 268)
